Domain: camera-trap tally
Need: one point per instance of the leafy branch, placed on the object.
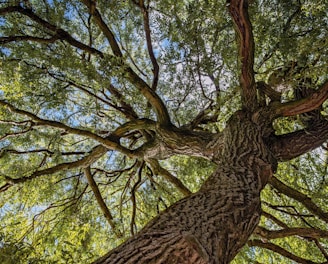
(300, 197)
(110, 144)
(95, 154)
(145, 12)
(94, 187)
(279, 250)
(151, 96)
(58, 32)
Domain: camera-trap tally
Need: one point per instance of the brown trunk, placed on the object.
(212, 225)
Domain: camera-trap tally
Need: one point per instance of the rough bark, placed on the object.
(212, 225)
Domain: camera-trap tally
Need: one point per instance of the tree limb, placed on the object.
(96, 153)
(239, 12)
(137, 124)
(288, 146)
(110, 144)
(279, 250)
(59, 33)
(267, 90)
(172, 140)
(157, 169)
(94, 187)
(274, 219)
(4, 40)
(302, 232)
(151, 96)
(300, 197)
(305, 105)
(91, 5)
(133, 197)
(147, 30)
(49, 152)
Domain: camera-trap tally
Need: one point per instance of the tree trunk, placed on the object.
(212, 225)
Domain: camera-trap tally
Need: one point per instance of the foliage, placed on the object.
(63, 71)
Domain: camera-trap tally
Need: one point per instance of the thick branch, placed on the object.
(137, 124)
(157, 169)
(305, 105)
(239, 12)
(289, 146)
(302, 232)
(172, 140)
(103, 26)
(267, 90)
(94, 187)
(151, 96)
(300, 197)
(279, 250)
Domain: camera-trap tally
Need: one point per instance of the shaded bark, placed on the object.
(212, 225)
(291, 145)
(238, 10)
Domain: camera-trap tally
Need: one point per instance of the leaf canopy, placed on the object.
(67, 85)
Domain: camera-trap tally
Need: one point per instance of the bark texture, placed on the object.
(211, 225)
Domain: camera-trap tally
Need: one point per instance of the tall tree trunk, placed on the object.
(212, 225)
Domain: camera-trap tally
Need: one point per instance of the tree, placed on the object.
(113, 110)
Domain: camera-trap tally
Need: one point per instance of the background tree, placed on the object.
(111, 111)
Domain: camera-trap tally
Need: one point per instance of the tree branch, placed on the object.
(172, 140)
(94, 187)
(288, 146)
(110, 144)
(239, 12)
(279, 250)
(59, 33)
(91, 5)
(267, 90)
(147, 30)
(133, 197)
(301, 106)
(300, 197)
(95, 154)
(137, 124)
(157, 169)
(302, 232)
(19, 152)
(274, 219)
(4, 40)
(151, 96)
